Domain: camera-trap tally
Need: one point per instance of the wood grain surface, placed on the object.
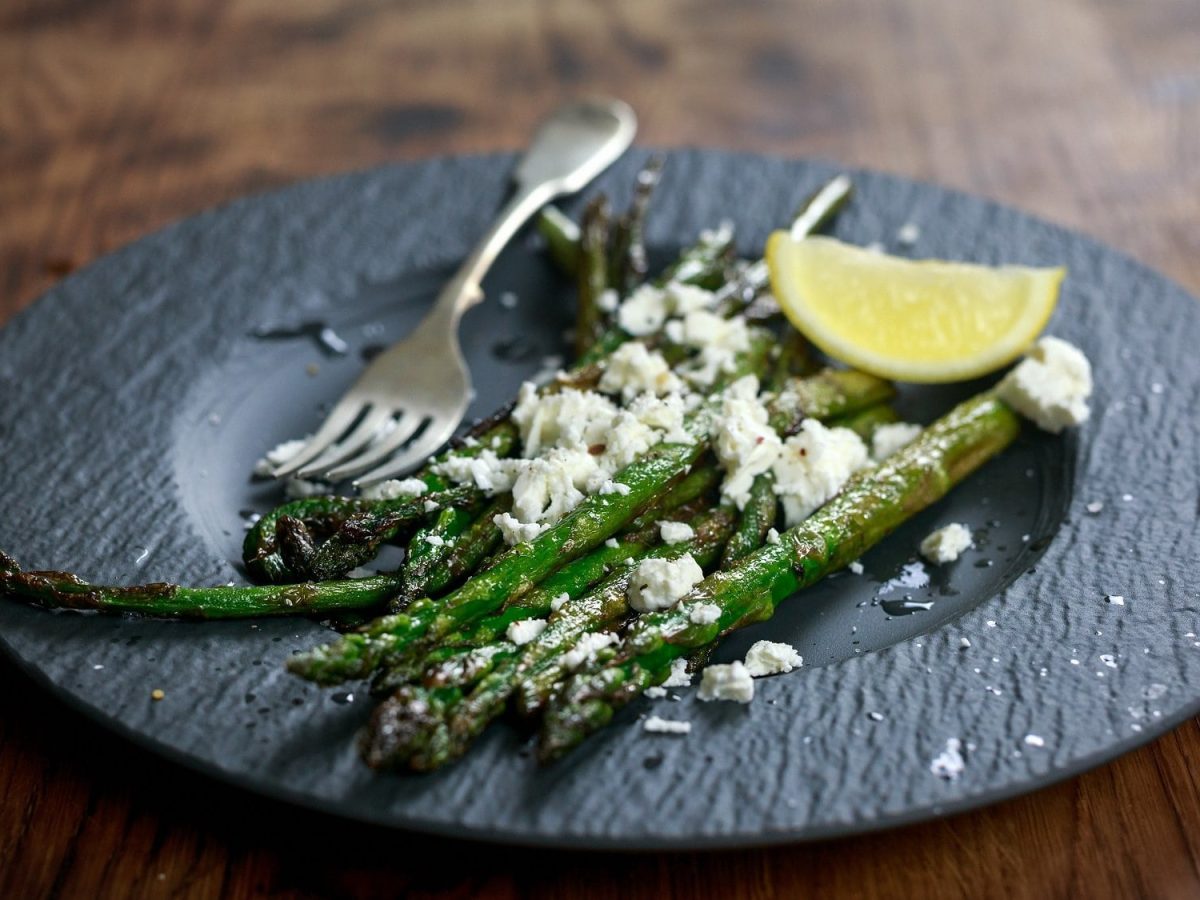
(118, 116)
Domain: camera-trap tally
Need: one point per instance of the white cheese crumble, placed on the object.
(393, 489)
(772, 536)
(277, 456)
(657, 725)
(644, 311)
(614, 487)
(675, 532)
(718, 341)
(814, 466)
(434, 540)
(659, 583)
(632, 369)
(1115, 599)
(585, 649)
(298, 488)
(1051, 386)
(431, 506)
(523, 631)
(909, 233)
(607, 301)
(557, 603)
(679, 677)
(889, 438)
(949, 763)
(772, 658)
(516, 532)
(730, 682)
(612, 543)
(745, 444)
(704, 613)
(947, 543)
(654, 692)
(855, 567)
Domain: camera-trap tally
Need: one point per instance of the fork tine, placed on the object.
(339, 419)
(405, 429)
(431, 440)
(359, 437)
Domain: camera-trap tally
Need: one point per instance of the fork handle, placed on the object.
(464, 289)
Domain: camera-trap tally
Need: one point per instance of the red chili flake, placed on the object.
(597, 449)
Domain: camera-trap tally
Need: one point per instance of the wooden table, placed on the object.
(118, 116)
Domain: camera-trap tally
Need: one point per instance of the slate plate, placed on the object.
(136, 397)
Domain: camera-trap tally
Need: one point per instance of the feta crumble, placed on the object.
(814, 466)
(728, 682)
(632, 369)
(889, 438)
(614, 487)
(612, 543)
(679, 677)
(675, 532)
(947, 543)
(523, 631)
(949, 763)
(434, 540)
(277, 456)
(718, 341)
(393, 489)
(1051, 386)
(856, 567)
(655, 692)
(772, 536)
(516, 532)
(299, 488)
(607, 301)
(431, 506)
(772, 658)
(644, 311)
(558, 602)
(659, 583)
(744, 443)
(704, 614)
(657, 725)
(586, 648)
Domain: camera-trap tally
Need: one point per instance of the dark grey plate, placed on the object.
(135, 398)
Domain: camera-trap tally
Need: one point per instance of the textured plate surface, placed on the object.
(137, 395)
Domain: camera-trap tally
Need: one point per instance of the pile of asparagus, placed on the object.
(439, 652)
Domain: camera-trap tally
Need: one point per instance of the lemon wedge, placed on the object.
(927, 320)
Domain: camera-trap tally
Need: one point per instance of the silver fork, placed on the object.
(423, 379)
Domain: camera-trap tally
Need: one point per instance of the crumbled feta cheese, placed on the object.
(718, 340)
(434, 540)
(632, 369)
(687, 298)
(772, 536)
(644, 311)
(550, 487)
(664, 414)
(1095, 507)
(704, 614)
(814, 466)
(557, 603)
(486, 471)
(745, 444)
(949, 763)
(945, 544)
(431, 506)
(568, 418)
(607, 301)
(299, 488)
(909, 233)
(675, 532)
(679, 677)
(516, 532)
(654, 692)
(358, 572)
(277, 456)
(965, 643)
(771, 658)
(731, 682)
(659, 583)
(612, 543)
(523, 631)
(585, 649)
(614, 487)
(1115, 599)
(657, 725)
(394, 489)
(855, 567)
(1051, 385)
(889, 438)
